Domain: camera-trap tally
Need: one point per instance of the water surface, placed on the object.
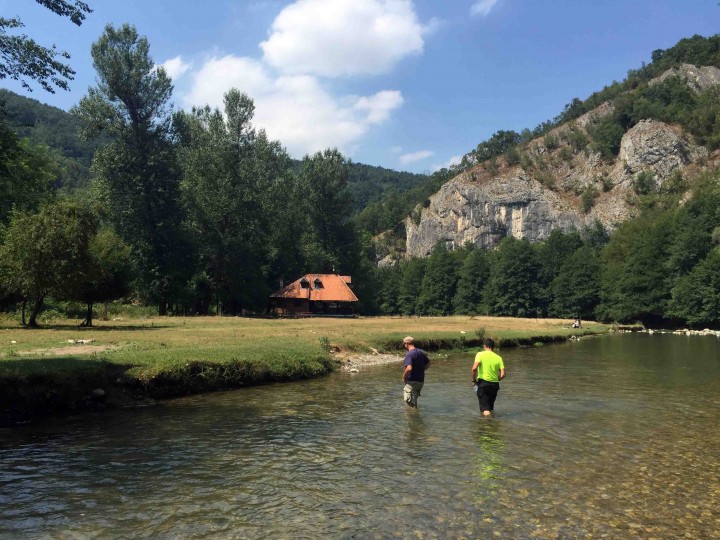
(611, 437)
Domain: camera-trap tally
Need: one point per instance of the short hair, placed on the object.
(409, 340)
(489, 343)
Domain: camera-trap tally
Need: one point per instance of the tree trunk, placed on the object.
(32, 323)
(88, 315)
(162, 308)
(105, 312)
(24, 305)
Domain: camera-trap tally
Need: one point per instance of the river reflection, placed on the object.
(610, 437)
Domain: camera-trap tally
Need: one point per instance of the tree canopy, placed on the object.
(25, 60)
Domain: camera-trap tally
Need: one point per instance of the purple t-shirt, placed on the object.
(418, 360)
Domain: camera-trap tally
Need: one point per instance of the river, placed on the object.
(609, 437)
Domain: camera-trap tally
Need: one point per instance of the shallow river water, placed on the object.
(608, 437)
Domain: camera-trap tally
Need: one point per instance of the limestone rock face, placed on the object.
(484, 214)
(698, 78)
(657, 148)
(483, 205)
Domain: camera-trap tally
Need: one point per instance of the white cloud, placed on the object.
(379, 106)
(176, 67)
(343, 37)
(294, 109)
(407, 159)
(455, 160)
(482, 7)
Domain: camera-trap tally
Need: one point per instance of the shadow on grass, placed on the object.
(31, 367)
(78, 328)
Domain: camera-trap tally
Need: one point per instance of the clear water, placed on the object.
(612, 437)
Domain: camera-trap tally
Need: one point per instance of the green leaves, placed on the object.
(23, 59)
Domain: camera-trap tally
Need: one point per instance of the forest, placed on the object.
(129, 200)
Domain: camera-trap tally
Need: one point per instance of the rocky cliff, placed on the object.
(557, 182)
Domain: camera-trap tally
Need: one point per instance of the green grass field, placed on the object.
(150, 346)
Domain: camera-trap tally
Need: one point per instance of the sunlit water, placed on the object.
(612, 437)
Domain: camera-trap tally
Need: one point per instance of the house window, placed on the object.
(304, 283)
(318, 283)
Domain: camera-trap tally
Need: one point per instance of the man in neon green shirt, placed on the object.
(488, 370)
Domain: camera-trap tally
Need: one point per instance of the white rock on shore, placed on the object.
(354, 363)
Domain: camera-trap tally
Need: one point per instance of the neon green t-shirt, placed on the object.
(490, 364)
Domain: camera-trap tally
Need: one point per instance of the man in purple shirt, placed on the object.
(416, 362)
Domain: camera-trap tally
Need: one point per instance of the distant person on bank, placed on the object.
(416, 362)
(487, 372)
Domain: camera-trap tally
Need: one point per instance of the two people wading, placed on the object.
(487, 371)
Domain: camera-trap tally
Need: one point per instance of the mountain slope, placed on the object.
(652, 136)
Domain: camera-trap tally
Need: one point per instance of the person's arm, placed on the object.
(407, 371)
(502, 373)
(427, 365)
(476, 364)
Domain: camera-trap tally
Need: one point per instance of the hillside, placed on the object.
(650, 137)
(52, 127)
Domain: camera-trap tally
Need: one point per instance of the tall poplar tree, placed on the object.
(130, 105)
(330, 240)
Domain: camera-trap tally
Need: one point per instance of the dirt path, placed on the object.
(70, 349)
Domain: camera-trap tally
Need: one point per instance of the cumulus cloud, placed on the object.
(482, 7)
(294, 109)
(308, 42)
(455, 160)
(407, 159)
(176, 67)
(343, 37)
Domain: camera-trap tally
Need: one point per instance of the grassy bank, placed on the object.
(57, 368)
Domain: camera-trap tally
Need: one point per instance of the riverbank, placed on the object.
(62, 369)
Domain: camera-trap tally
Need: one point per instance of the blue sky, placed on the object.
(404, 84)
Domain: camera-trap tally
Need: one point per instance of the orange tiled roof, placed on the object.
(321, 287)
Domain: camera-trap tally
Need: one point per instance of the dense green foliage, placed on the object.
(43, 125)
(25, 60)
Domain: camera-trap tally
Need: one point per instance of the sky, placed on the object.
(405, 84)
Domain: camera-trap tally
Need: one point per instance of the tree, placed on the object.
(576, 288)
(411, 285)
(388, 285)
(473, 277)
(26, 174)
(138, 168)
(331, 240)
(635, 282)
(23, 58)
(512, 289)
(106, 275)
(439, 283)
(552, 254)
(229, 170)
(696, 296)
(47, 253)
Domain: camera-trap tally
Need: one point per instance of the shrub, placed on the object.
(588, 198)
(551, 142)
(644, 183)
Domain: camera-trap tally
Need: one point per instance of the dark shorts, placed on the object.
(487, 393)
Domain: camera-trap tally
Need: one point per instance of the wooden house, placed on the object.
(315, 294)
